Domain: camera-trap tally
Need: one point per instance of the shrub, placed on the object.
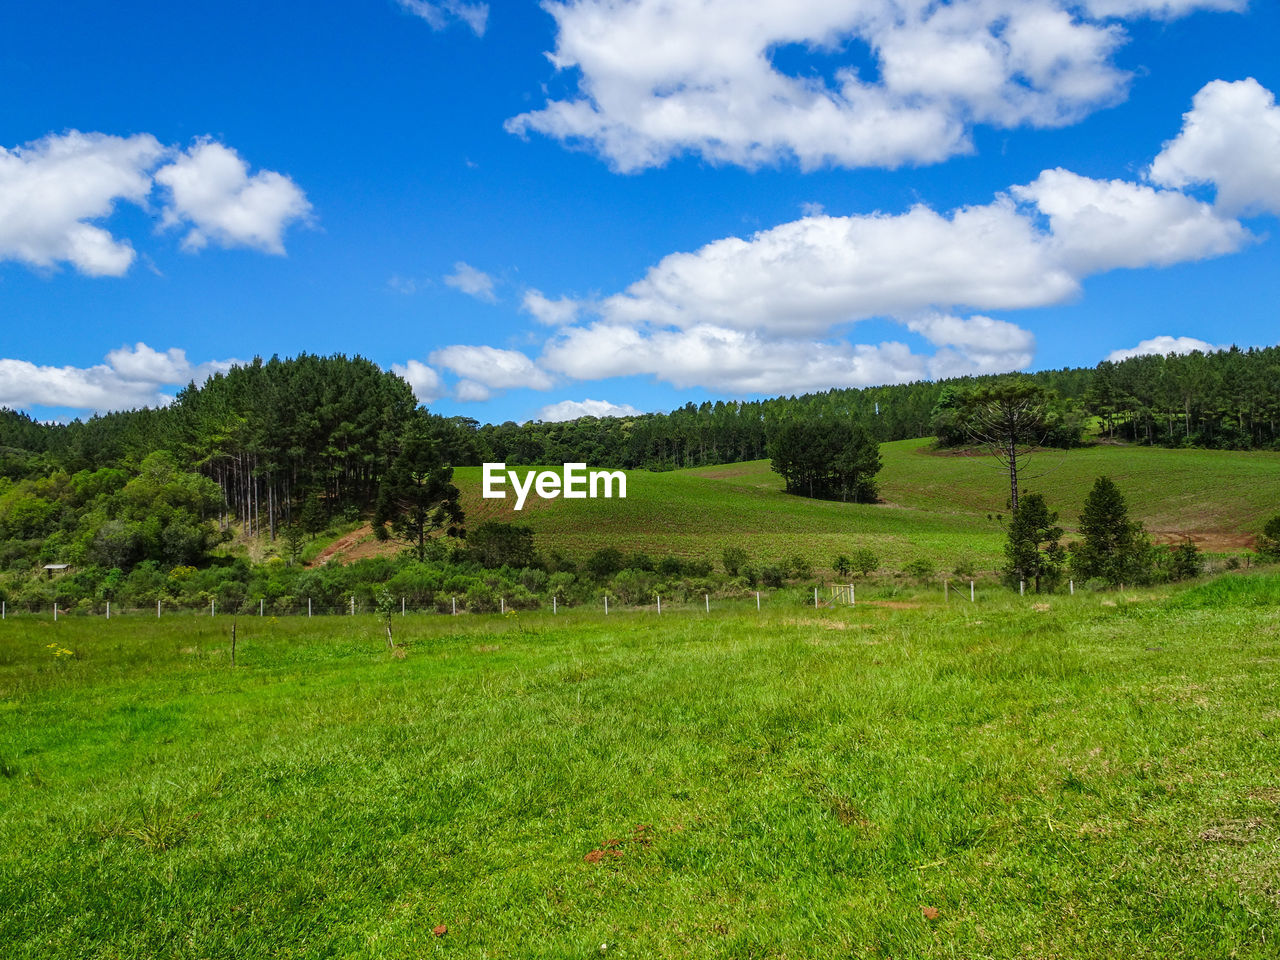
(604, 563)
(772, 576)
(799, 567)
(1269, 541)
(921, 569)
(734, 559)
(864, 562)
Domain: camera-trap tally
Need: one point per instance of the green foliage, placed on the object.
(604, 563)
(734, 559)
(1113, 548)
(1269, 540)
(830, 459)
(494, 544)
(1185, 562)
(417, 496)
(1033, 550)
(842, 565)
(864, 562)
(920, 569)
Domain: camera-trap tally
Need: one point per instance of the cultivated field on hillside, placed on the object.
(943, 506)
(1091, 776)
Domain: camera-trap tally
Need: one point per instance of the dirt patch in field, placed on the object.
(1207, 542)
(342, 546)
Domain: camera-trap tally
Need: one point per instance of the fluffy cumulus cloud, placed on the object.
(210, 188)
(573, 409)
(52, 189)
(810, 274)
(552, 313)
(441, 13)
(1098, 225)
(765, 313)
(485, 369)
(656, 79)
(130, 377)
(55, 192)
(472, 282)
(424, 380)
(1162, 346)
(1231, 139)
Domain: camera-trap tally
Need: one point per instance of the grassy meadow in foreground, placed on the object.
(1088, 776)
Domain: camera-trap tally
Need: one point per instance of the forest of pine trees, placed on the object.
(310, 438)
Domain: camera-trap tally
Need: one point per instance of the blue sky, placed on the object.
(636, 204)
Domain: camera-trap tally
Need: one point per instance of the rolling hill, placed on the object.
(942, 505)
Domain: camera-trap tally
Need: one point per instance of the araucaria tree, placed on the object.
(1009, 418)
(417, 496)
(1033, 552)
(1113, 547)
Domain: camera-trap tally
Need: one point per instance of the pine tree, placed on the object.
(417, 495)
(1114, 548)
(1034, 551)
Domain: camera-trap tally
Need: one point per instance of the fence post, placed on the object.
(213, 608)
(454, 601)
(946, 591)
(262, 602)
(353, 605)
(707, 597)
(1073, 588)
(606, 604)
(502, 604)
(402, 606)
(757, 601)
(659, 604)
(157, 609)
(553, 605)
(55, 613)
(108, 609)
(4, 609)
(308, 606)
(815, 598)
(853, 596)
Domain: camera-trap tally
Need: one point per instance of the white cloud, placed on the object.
(471, 392)
(210, 188)
(1159, 9)
(658, 79)
(763, 314)
(131, 377)
(1163, 346)
(438, 14)
(805, 276)
(426, 382)
(552, 313)
(974, 345)
(52, 188)
(1230, 138)
(491, 367)
(1100, 225)
(573, 409)
(473, 282)
(744, 362)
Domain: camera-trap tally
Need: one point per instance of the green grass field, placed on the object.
(1088, 776)
(937, 505)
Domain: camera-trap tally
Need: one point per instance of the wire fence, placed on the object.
(839, 595)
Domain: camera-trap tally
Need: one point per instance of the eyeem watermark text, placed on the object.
(576, 484)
